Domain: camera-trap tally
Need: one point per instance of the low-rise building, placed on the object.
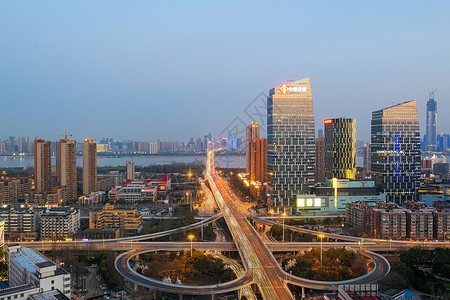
(59, 223)
(348, 191)
(128, 220)
(441, 225)
(21, 224)
(32, 273)
(14, 189)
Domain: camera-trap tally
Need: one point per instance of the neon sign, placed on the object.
(284, 89)
(329, 121)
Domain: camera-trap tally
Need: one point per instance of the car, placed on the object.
(94, 266)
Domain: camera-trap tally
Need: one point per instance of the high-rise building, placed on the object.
(253, 133)
(320, 133)
(291, 141)
(395, 147)
(431, 131)
(320, 159)
(130, 170)
(258, 160)
(89, 166)
(42, 166)
(340, 148)
(366, 159)
(66, 165)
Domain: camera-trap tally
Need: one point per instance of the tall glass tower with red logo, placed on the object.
(290, 142)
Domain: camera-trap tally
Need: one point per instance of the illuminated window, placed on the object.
(317, 202)
(309, 202)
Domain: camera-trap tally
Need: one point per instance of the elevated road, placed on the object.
(256, 257)
(122, 264)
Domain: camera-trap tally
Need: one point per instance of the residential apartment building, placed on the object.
(59, 223)
(128, 220)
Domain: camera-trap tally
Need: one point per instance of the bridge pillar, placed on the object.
(180, 297)
(303, 292)
(136, 287)
(239, 291)
(212, 297)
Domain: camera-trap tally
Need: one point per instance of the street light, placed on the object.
(190, 205)
(191, 237)
(321, 236)
(283, 215)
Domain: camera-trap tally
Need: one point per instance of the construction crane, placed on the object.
(65, 134)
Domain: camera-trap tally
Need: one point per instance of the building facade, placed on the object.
(395, 157)
(42, 165)
(59, 223)
(340, 148)
(130, 170)
(66, 165)
(89, 167)
(32, 273)
(290, 141)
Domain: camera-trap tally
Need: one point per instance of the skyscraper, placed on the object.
(366, 159)
(258, 160)
(253, 132)
(42, 165)
(291, 141)
(320, 158)
(89, 166)
(431, 131)
(66, 165)
(340, 148)
(396, 150)
(130, 170)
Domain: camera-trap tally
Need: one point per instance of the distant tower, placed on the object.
(367, 165)
(320, 158)
(320, 134)
(130, 170)
(42, 165)
(89, 166)
(253, 133)
(431, 130)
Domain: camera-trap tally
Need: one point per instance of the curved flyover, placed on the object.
(381, 269)
(122, 265)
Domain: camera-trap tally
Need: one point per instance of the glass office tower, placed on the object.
(431, 137)
(396, 151)
(340, 148)
(291, 141)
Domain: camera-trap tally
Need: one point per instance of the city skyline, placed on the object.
(137, 70)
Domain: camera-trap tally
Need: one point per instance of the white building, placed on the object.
(130, 170)
(32, 273)
(59, 223)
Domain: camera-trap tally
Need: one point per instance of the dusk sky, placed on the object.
(145, 70)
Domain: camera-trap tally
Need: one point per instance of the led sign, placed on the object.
(329, 121)
(285, 89)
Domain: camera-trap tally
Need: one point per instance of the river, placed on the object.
(230, 161)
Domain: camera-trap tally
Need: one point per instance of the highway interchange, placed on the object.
(259, 264)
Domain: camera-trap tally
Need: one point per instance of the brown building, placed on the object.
(42, 166)
(390, 224)
(66, 165)
(14, 189)
(89, 167)
(320, 159)
(128, 220)
(253, 133)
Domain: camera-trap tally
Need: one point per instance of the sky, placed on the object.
(170, 70)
